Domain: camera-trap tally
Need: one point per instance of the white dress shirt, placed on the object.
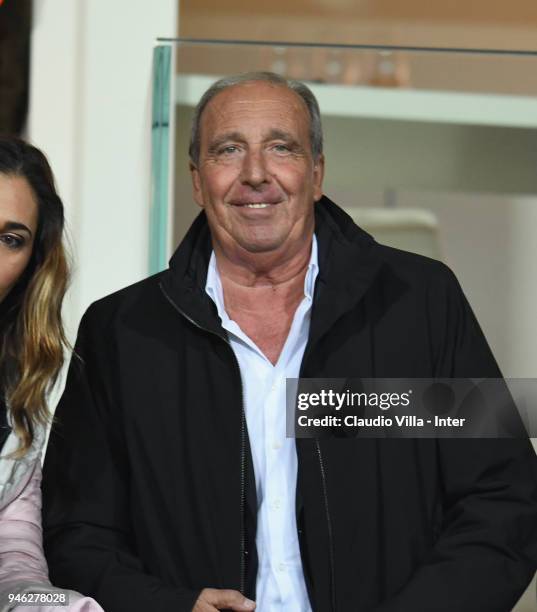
(280, 577)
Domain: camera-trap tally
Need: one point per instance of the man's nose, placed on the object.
(254, 169)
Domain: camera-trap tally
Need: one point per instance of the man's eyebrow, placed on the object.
(15, 225)
(276, 134)
(218, 141)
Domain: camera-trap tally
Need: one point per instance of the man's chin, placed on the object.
(266, 243)
(262, 246)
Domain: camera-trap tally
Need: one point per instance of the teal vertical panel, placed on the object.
(160, 146)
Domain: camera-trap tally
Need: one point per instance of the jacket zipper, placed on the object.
(331, 556)
(329, 525)
(242, 581)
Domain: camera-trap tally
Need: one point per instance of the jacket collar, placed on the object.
(349, 260)
(184, 281)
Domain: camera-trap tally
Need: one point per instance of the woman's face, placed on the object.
(18, 225)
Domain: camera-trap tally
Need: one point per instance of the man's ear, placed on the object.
(196, 184)
(318, 176)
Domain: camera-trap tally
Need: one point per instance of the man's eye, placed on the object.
(281, 148)
(11, 241)
(228, 149)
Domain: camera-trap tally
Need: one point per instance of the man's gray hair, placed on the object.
(316, 130)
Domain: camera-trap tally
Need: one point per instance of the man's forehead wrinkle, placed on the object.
(231, 119)
(270, 100)
(246, 109)
(271, 133)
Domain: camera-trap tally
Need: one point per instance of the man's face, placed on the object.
(256, 178)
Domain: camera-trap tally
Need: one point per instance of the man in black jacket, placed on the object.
(162, 469)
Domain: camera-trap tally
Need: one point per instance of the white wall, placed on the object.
(90, 105)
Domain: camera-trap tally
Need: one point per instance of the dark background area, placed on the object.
(15, 27)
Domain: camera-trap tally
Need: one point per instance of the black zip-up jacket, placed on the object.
(148, 487)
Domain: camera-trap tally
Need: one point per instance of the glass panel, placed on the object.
(432, 151)
(160, 146)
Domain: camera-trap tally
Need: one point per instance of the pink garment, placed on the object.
(23, 568)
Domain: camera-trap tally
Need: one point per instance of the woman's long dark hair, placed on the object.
(32, 338)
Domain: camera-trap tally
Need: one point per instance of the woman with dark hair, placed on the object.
(33, 280)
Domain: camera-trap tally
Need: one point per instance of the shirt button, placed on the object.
(276, 445)
(276, 383)
(281, 567)
(277, 504)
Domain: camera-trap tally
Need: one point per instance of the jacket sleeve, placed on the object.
(485, 554)
(23, 568)
(87, 532)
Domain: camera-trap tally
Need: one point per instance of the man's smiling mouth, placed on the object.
(254, 204)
